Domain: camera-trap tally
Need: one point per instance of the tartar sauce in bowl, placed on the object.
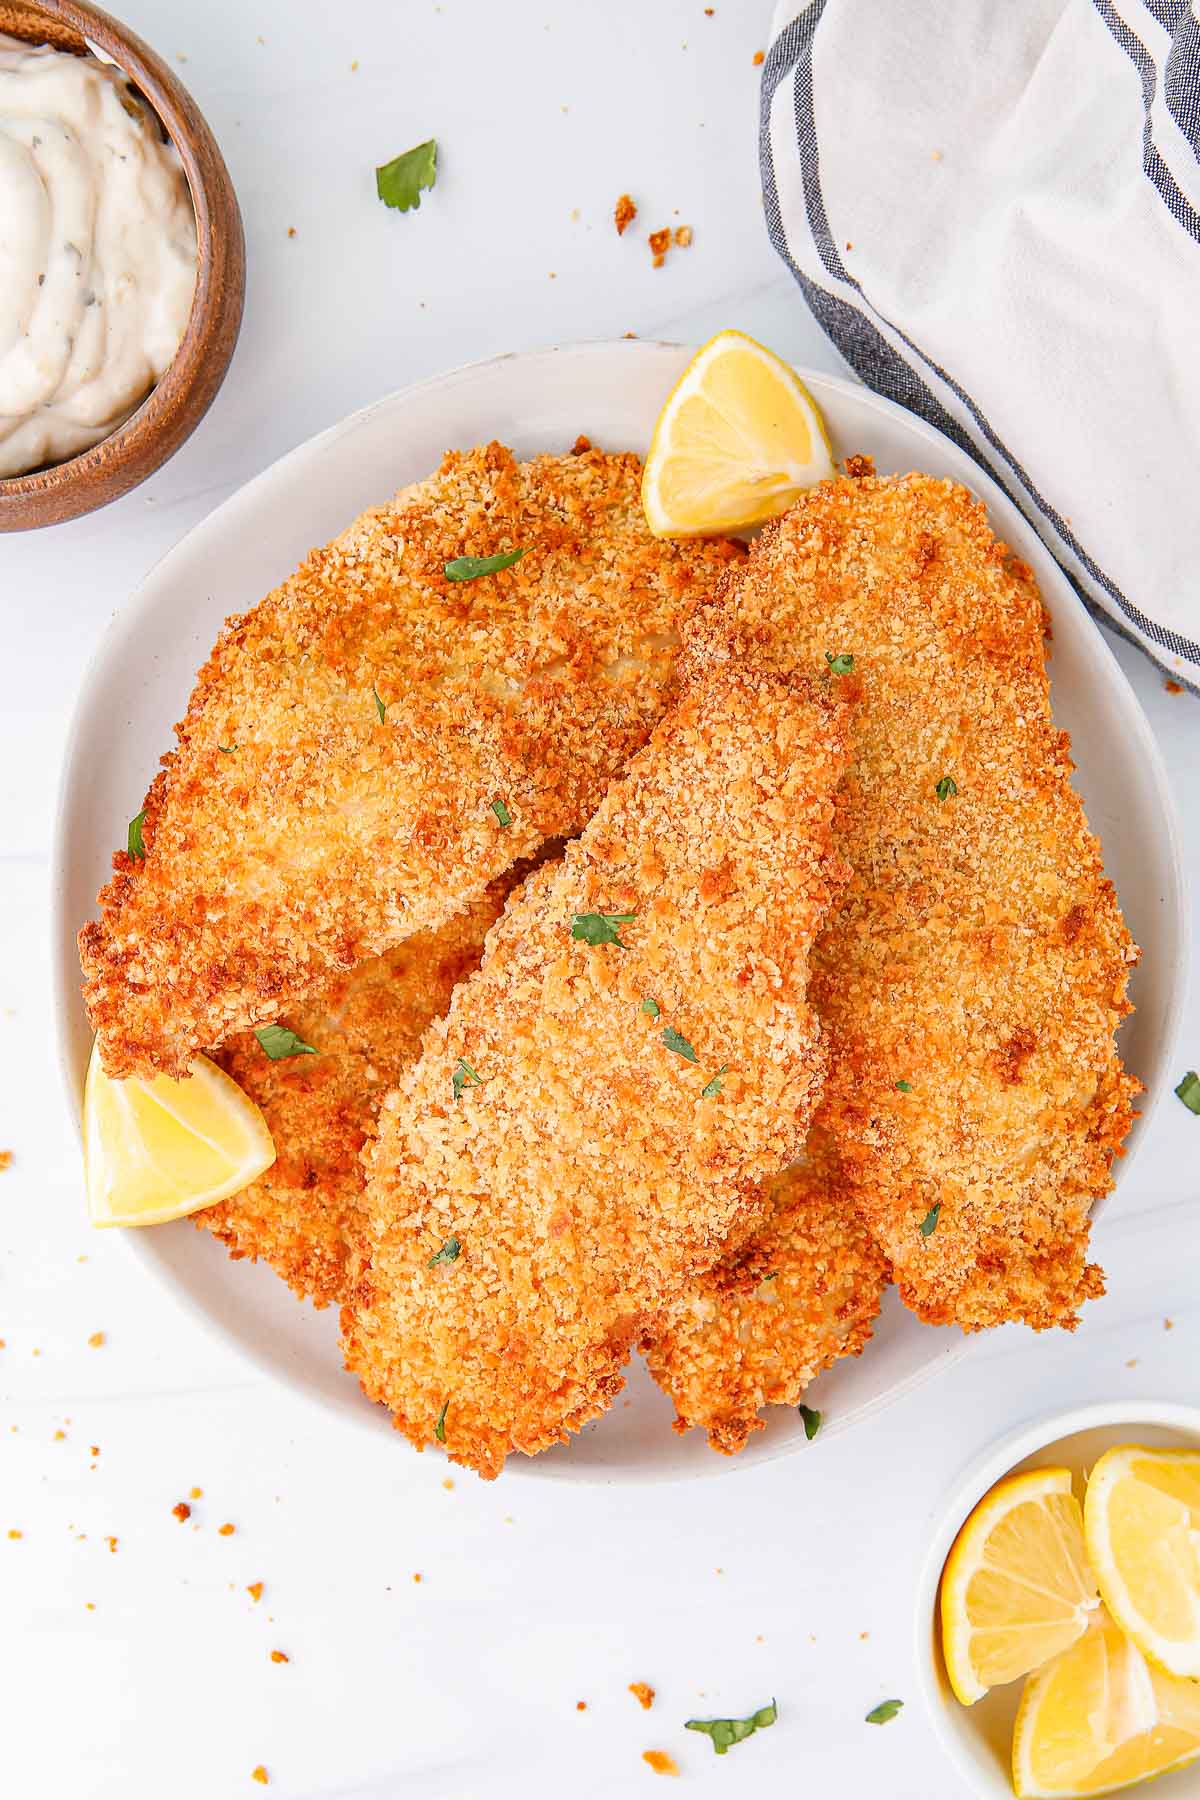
(97, 253)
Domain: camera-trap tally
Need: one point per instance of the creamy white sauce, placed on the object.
(97, 253)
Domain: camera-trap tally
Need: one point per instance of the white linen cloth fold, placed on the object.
(994, 212)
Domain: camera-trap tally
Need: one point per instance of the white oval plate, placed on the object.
(139, 683)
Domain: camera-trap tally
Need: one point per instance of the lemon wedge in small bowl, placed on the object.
(739, 439)
(158, 1150)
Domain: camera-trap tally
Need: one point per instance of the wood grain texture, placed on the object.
(172, 410)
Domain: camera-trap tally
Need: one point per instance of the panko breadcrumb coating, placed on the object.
(974, 972)
(618, 1105)
(757, 1328)
(333, 787)
(303, 1215)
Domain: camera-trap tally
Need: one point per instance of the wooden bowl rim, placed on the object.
(180, 398)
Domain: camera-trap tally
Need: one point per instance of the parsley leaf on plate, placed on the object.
(278, 1041)
(136, 846)
(447, 1254)
(725, 1732)
(672, 1039)
(839, 665)
(652, 1007)
(946, 788)
(904, 1087)
(502, 813)
(439, 1430)
(470, 568)
(380, 705)
(1189, 1091)
(464, 1076)
(887, 1709)
(812, 1421)
(600, 928)
(712, 1088)
(399, 182)
(928, 1224)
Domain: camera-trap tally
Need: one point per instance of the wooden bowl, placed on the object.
(172, 410)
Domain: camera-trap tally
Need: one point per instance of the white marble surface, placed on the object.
(145, 1671)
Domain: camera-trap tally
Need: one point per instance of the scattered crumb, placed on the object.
(226, 1530)
(16, 1534)
(643, 1693)
(90, 1605)
(291, 231)
(195, 1493)
(581, 1706)
(416, 1578)
(937, 155)
(93, 1450)
(36, 1352)
(112, 1543)
(759, 57)
(96, 1340)
(660, 241)
(574, 215)
(709, 11)
(581, 445)
(1172, 687)
(59, 1436)
(81, 1259)
(624, 213)
(182, 1510)
(849, 245)
(683, 236)
(1168, 1324)
(553, 275)
(6, 1157)
(449, 1482)
(179, 56)
(660, 1762)
(864, 1635)
(1132, 1363)
(354, 66)
(260, 1774)
(280, 1656)
(255, 1590)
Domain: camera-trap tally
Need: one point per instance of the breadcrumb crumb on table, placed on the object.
(624, 213)
(661, 1761)
(6, 1157)
(226, 1530)
(683, 236)
(181, 1510)
(260, 1774)
(280, 1656)
(96, 1340)
(759, 57)
(1172, 687)
(255, 1590)
(643, 1693)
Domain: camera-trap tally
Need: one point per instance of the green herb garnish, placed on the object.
(278, 1041)
(887, 1709)
(399, 183)
(380, 705)
(502, 813)
(470, 568)
(227, 749)
(928, 1224)
(946, 788)
(447, 1254)
(464, 1076)
(713, 1087)
(812, 1421)
(679, 1045)
(1189, 1091)
(839, 665)
(725, 1732)
(652, 1007)
(600, 928)
(136, 846)
(904, 1087)
(439, 1430)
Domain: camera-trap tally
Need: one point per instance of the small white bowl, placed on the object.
(978, 1739)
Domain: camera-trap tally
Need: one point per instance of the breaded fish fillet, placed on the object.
(375, 742)
(594, 1120)
(974, 972)
(758, 1327)
(304, 1215)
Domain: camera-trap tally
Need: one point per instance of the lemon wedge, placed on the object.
(157, 1150)
(1142, 1522)
(739, 438)
(1016, 1589)
(1100, 1717)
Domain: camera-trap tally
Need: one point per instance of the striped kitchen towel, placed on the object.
(993, 209)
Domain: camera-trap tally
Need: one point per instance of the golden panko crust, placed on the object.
(304, 1215)
(758, 1327)
(295, 831)
(974, 973)
(586, 1168)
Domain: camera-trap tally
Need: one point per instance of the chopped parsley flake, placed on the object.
(380, 705)
(1189, 1091)
(725, 1732)
(652, 1007)
(678, 1044)
(447, 1254)
(904, 1087)
(600, 928)
(439, 1430)
(278, 1041)
(136, 846)
(464, 1076)
(812, 1421)
(928, 1224)
(887, 1709)
(399, 183)
(470, 568)
(946, 788)
(839, 665)
(713, 1088)
(502, 813)
(227, 749)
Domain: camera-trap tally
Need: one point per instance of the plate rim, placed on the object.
(141, 602)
